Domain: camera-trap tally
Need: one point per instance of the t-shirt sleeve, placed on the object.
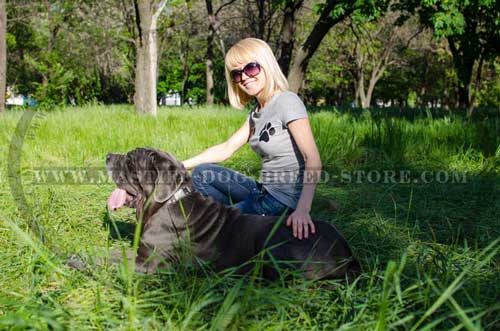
(291, 108)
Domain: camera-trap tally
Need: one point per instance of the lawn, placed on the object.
(417, 197)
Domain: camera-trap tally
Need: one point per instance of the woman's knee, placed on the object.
(200, 175)
(199, 169)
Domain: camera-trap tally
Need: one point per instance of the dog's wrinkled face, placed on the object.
(145, 171)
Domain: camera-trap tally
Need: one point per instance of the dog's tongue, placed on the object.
(118, 198)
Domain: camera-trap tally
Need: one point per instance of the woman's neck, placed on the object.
(263, 102)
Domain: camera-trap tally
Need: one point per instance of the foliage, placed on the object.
(61, 57)
(472, 29)
(489, 95)
(73, 52)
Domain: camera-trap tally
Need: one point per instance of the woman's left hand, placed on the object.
(300, 220)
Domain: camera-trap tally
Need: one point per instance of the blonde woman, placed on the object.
(277, 129)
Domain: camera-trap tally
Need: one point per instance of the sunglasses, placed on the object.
(252, 69)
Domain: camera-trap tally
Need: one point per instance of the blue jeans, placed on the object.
(234, 189)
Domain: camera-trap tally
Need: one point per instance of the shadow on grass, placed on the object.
(440, 227)
(118, 230)
(384, 219)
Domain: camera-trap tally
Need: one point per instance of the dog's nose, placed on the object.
(108, 157)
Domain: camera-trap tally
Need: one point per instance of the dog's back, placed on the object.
(325, 254)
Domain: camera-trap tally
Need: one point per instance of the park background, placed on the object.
(410, 88)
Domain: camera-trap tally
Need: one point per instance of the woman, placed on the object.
(277, 129)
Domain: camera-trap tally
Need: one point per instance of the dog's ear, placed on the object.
(170, 175)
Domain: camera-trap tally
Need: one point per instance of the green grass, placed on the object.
(429, 250)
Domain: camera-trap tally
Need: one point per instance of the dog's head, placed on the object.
(146, 172)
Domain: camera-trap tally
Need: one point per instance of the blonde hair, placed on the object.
(250, 50)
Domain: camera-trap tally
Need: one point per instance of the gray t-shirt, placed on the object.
(282, 162)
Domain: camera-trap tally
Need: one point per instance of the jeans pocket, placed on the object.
(271, 206)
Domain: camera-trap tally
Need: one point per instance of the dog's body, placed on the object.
(216, 233)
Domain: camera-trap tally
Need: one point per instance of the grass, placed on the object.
(428, 245)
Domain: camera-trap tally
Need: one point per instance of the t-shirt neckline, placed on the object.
(275, 95)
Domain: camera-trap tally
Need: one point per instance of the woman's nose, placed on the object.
(244, 76)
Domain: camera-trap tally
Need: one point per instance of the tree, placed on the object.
(184, 52)
(330, 13)
(69, 51)
(287, 39)
(471, 28)
(3, 54)
(377, 46)
(424, 71)
(183, 67)
(147, 14)
(213, 34)
(36, 61)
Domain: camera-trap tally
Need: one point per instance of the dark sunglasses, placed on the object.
(252, 69)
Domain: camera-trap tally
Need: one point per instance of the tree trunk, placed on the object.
(306, 51)
(365, 102)
(374, 78)
(423, 82)
(212, 37)
(369, 93)
(145, 75)
(464, 63)
(477, 86)
(287, 33)
(184, 56)
(3, 54)
(210, 69)
(210, 54)
(464, 77)
(261, 23)
(446, 95)
(146, 56)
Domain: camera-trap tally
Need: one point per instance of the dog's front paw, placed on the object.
(76, 262)
(149, 267)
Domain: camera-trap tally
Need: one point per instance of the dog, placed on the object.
(176, 219)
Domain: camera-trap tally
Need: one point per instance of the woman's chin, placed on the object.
(252, 92)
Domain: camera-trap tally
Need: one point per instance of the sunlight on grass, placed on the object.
(429, 250)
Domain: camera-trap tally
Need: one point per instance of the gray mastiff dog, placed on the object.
(174, 216)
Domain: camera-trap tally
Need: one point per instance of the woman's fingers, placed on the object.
(313, 228)
(300, 226)
(295, 226)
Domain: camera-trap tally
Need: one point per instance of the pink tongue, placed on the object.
(117, 199)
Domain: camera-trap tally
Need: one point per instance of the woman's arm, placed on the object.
(221, 152)
(300, 218)
(214, 154)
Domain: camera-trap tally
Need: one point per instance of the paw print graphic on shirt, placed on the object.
(266, 132)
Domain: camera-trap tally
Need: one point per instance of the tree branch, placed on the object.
(161, 6)
(222, 6)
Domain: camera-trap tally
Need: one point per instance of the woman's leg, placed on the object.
(263, 203)
(223, 184)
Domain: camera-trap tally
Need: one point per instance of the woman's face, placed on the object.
(252, 86)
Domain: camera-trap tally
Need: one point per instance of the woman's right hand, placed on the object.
(118, 198)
